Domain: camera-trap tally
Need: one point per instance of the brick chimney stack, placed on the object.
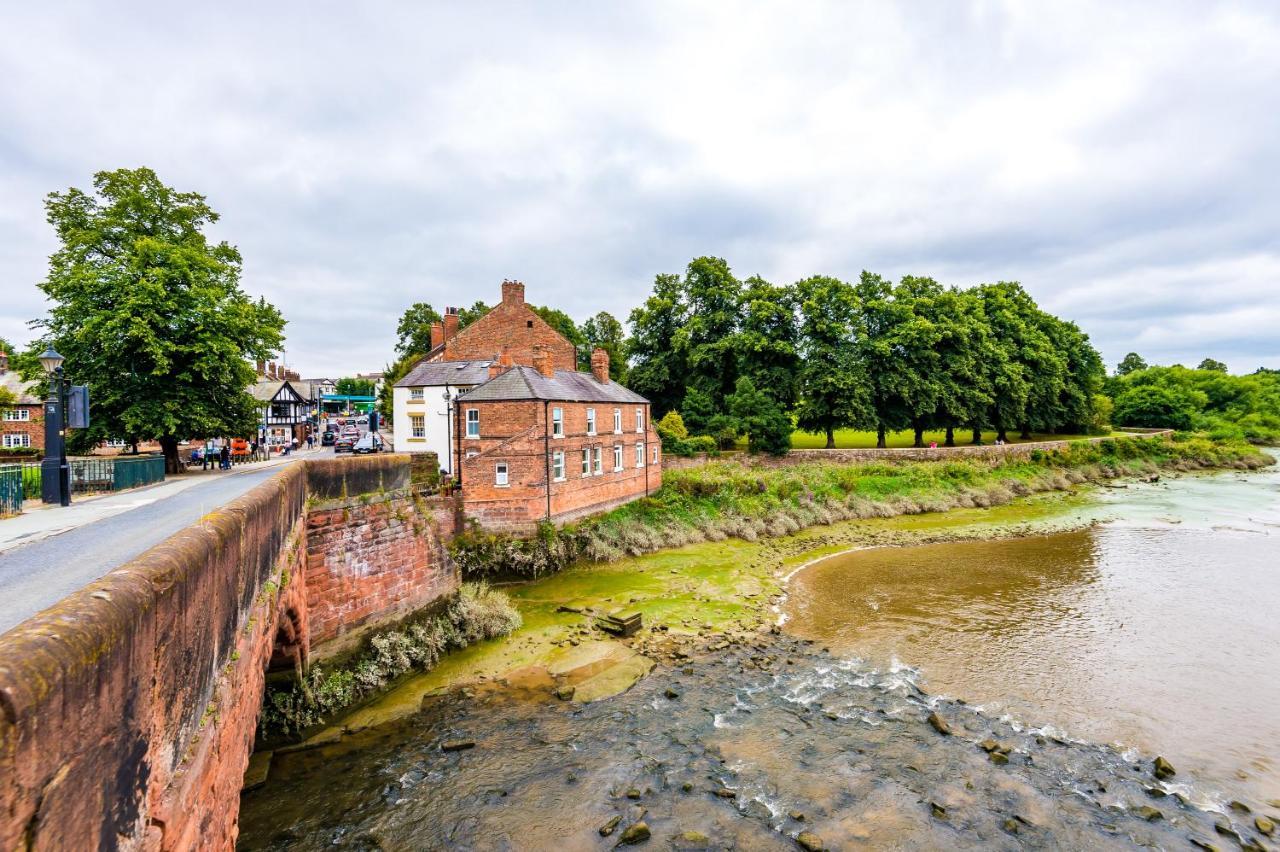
(543, 363)
(512, 293)
(262, 368)
(4, 362)
(450, 323)
(600, 365)
(437, 334)
(271, 370)
(501, 363)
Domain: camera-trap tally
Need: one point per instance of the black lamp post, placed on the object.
(55, 473)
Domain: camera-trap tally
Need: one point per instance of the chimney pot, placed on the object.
(512, 293)
(450, 325)
(600, 365)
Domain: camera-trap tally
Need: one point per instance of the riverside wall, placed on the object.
(128, 710)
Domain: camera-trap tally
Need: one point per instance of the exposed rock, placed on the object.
(633, 793)
(1224, 828)
(1163, 769)
(693, 839)
(999, 758)
(255, 775)
(798, 816)
(938, 811)
(607, 829)
(636, 833)
(1148, 813)
(726, 793)
(1264, 825)
(565, 692)
(939, 724)
(1239, 807)
(671, 693)
(1200, 843)
(457, 745)
(809, 841)
(1011, 825)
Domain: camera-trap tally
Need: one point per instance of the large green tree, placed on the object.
(768, 340)
(760, 417)
(878, 343)
(657, 366)
(413, 333)
(1131, 363)
(709, 335)
(352, 386)
(150, 314)
(833, 387)
(603, 331)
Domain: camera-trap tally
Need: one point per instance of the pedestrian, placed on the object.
(253, 449)
(204, 457)
(225, 456)
(295, 442)
(311, 441)
(933, 445)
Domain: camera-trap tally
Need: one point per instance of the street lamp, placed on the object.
(55, 473)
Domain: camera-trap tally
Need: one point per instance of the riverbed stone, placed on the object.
(809, 841)
(1163, 769)
(939, 724)
(457, 745)
(608, 828)
(1148, 813)
(1264, 825)
(635, 833)
(1239, 807)
(692, 840)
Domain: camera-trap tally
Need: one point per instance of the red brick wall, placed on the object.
(370, 563)
(511, 324)
(33, 427)
(515, 433)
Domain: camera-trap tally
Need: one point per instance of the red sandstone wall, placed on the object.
(370, 563)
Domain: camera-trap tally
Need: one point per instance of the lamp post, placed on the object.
(448, 436)
(55, 473)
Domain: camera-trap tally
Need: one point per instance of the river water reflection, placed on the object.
(1159, 631)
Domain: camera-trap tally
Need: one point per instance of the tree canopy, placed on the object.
(413, 332)
(150, 314)
(352, 386)
(1206, 399)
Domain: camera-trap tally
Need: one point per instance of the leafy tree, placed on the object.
(879, 346)
(657, 368)
(605, 332)
(1212, 365)
(562, 323)
(708, 336)
(150, 315)
(768, 340)
(672, 424)
(391, 374)
(833, 387)
(698, 411)
(413, 333)
(1131, 363)
(466, 316)
(1159, 407)
(761, 418)
(351, 386)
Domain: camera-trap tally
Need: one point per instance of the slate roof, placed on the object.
(440, 373)
(13, 383)
(566, 386)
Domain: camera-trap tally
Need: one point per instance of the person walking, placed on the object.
(225, 455)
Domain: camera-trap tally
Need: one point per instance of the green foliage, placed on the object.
(562, 323)
(1131, 363)
(1212, 365)
(476, 613)
(672, 424)
(698, 410)
(657, 365)
(466, 316)
(602, 331)
(1223, 405)
(833, 387)
(150, 314)
(413, 332)
(391, 374)
(1158, 406)
(350, 386)
(768, 340)
(761, 418)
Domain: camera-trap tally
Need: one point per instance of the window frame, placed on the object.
(416, 394)
(640, 454)
(617, 421)
(557, 466)
(640, 421)
(586, 461)
(17, 415)
(617, 458)
(417, 426)
(557, 422)
(591, 421)
(501, 475)
(597, 461)
(654, 454)
(476, 421)
(16, 440)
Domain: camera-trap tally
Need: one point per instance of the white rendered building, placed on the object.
(421, 405)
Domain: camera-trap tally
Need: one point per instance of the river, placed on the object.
(1074, 656)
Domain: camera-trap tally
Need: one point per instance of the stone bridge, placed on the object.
(128, 710)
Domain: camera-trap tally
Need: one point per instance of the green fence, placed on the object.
(114, 473)
(31, 481)
(10, 489)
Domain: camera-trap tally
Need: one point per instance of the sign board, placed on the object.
(78, 407)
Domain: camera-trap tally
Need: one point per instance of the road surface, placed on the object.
(36, 575)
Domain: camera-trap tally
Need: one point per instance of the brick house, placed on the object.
(538, 443)
(22, 424)
(530, 438)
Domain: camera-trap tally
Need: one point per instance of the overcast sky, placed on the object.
(1122, 160)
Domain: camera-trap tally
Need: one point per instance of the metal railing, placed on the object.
(110, 473)
(10, 489)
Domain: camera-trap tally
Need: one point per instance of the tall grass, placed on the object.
(729, 498)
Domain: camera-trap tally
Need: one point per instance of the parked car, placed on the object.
(370, 442)
(327, 439)
(344, 443)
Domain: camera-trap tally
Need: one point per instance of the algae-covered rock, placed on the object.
(614, 680)
(636, 833)
(608, 828)
(1148, 813)
(1163, 769)
(809, 841)
(692, 840)
(1264, 825)
(939, 724)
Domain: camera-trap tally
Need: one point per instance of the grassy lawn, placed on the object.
(847, 439)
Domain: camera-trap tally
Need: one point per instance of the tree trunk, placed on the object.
(1001, 434)
(880, 442)
(977, 435)
(1026, 431)
(172, 462)
(951, 437)
(831, 438)
(919, 430)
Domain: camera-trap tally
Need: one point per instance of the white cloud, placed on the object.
(1116, 158)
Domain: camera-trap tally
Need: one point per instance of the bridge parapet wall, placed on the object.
(128, 710)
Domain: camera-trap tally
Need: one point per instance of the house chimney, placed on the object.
(437, 334)
(495, 366)
(4, 362)
(271, 370)
(600, 365)
(542, 362)
(262, 368)
(512, 293)
(450, 323)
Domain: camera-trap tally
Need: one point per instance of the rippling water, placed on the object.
(1161, 631)
(1075, 656)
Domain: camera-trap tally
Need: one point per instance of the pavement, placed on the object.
(48, 553)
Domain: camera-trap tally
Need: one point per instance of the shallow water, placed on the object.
(1148, 633)
(1159, 631)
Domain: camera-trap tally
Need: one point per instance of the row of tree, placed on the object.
(869, 354)
(1204, 399)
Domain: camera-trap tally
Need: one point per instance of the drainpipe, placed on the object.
(646, 451)
(448, 431)
(546, 451)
